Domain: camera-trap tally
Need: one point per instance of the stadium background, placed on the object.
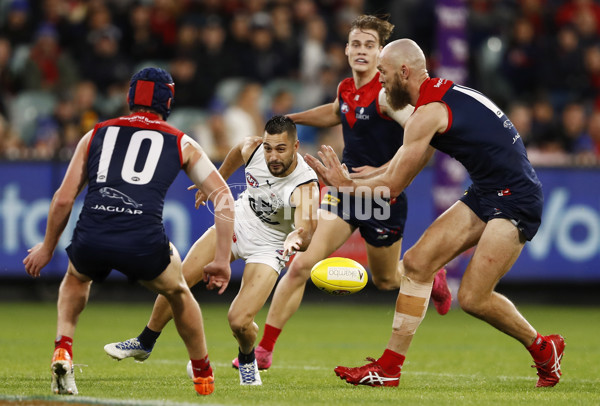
(64, 64)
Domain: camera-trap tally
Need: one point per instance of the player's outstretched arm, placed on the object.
(306, 200)
(408, 161)
(326, 115)
(60, 209)
(208, 180)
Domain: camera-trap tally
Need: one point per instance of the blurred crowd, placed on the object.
(65, 64)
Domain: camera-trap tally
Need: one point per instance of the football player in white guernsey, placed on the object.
(275, 216)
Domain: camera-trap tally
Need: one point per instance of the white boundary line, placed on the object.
(53, 399)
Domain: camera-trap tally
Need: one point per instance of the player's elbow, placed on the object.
(224, 203)
(63, 200)
(223, 195)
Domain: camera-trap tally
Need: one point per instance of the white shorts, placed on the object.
(250, 244)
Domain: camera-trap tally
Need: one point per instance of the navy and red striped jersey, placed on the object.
(370, 137)
(481, 137)
(132, 162)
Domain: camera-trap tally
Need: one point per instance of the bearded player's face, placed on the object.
(396, 91)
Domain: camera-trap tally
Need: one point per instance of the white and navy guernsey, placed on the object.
(267, 197)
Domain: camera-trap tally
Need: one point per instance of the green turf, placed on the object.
(454, 360)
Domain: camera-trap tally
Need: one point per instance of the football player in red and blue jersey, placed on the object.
(372, 134)
(500, 211)
(128, 164)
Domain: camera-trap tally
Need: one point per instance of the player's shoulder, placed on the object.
(432, 90)
(304, 170)
(251, 145)
(142, 122)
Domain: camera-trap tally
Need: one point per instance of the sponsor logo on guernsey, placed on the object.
(251, 180)
(440, 82)
(507, 124)
(341, 273)
(116, 194)
(345, 108)
(116, 209)
(504, 192)
(360, 115)
(516, 137)
(330, 200)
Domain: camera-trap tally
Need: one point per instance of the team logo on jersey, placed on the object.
(265, 207)
(360, 114)
(345, 108)
(116, 194)
(251, 180)
(504, 192)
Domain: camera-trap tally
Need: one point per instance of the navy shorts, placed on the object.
(381, 222)
(524, 210)
(97, 263)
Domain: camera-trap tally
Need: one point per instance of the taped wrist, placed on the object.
(411, 306)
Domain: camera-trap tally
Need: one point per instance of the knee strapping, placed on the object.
(411, 306)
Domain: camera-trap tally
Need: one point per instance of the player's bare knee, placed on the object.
(174, 292)
(470, 302)
(300, 270)
(413, 265)
(239, 322)
(417, 267)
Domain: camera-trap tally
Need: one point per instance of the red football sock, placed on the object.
(391, 362)
(540, 350)
(66, 343)
(269, 337)
(201, 367)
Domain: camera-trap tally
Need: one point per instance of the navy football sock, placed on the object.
(148, 338)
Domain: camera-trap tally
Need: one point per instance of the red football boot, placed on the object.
(371, 374)
(549, 371)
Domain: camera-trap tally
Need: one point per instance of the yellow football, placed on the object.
(339, 276)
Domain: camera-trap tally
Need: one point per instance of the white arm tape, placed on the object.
(203, 167)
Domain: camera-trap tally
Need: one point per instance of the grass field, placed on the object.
(454, 360)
